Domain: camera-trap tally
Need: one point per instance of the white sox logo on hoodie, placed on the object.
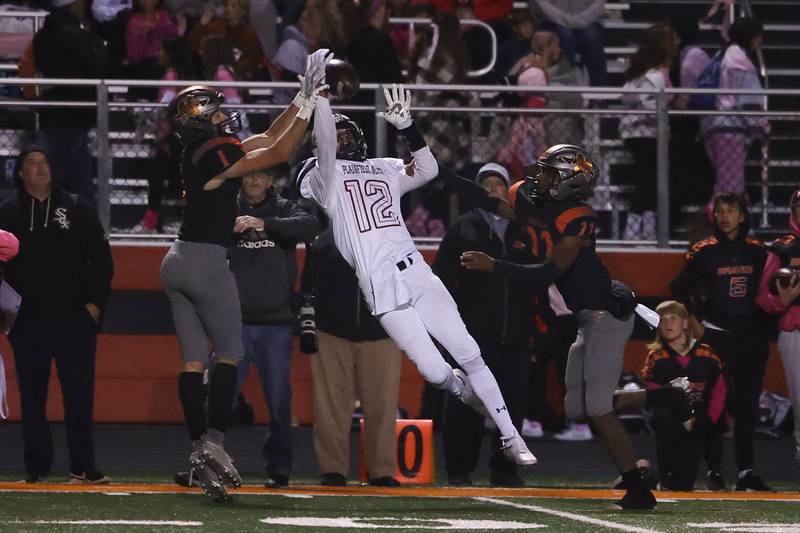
(61, 217)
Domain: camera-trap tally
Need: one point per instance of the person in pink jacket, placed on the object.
(149, 26)
(785, 252)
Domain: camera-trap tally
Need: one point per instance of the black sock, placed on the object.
(221, 393)
(193, 399)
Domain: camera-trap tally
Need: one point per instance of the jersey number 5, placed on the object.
(738, 286)
(372, 204)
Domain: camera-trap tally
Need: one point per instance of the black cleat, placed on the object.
(385, 481)
(208, 480)
(215, 457)
(715, 481)
(333, 479)
(637, 499)
(276, 480)
(751, 482)
(186, 479)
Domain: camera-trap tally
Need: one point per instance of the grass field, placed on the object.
(158, 507)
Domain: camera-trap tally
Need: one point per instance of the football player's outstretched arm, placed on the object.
(325, 138)
(476, 195)
(303, 104)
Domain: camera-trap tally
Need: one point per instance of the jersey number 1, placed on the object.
(377, 195)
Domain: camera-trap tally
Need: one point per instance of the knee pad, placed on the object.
(473, 365)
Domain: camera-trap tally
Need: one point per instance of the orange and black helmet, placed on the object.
(574, 178)
(192, 110)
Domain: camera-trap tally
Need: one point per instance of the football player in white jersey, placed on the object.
(362, 199)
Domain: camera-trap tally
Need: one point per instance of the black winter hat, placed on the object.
(26, 150)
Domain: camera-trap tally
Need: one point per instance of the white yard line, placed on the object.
(569, 516)
(179, 523)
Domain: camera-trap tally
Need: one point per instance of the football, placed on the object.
(782, 277)
(342, 78)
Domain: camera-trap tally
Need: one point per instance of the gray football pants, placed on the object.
(204, 300)
(594, 363)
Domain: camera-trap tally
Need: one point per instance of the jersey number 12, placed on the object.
(372, 204)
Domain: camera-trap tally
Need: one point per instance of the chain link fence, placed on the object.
(658, 168)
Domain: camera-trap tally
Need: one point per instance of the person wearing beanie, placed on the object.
(63, 273)
(62, 48)
(500, 318)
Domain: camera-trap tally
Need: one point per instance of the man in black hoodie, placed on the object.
(719, 284)
(263, 261)
(499, 315)
(63, 273)
(63, 48)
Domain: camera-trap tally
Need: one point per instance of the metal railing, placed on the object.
(608, 151)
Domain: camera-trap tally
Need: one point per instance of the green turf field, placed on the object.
(35, 512)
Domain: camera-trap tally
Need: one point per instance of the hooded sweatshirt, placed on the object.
(64, 259)
(784, 252)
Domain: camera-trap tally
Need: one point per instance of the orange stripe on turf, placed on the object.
(429, 492)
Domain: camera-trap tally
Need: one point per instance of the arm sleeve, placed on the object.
(296, 224)
(100, 268)
(425, 169)
(468, 190)
(325, 136)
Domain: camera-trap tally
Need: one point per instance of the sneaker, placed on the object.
(276, 480)
(333, 479)
(34, 478)
(186, 479)
(459, 480)
(506, 479)
(751, 482)
(637, 499)
(385, 481)
(468, 396)
(215, 456)
(92, 477)
(715, 481)
(515, 450)
(532, 429)
(575, 432)
(201, 472)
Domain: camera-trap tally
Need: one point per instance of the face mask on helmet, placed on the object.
(350, 143)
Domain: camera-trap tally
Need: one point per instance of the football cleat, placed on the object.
(515, 449)
(468, 396)
(200, 472)
(215, 457)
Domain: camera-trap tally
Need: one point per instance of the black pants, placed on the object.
(72, 341)
(551, 346)
(745, 357)
(644, 153)
(463, 427)
(678, 451)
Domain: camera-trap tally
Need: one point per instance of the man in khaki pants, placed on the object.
(356, 359)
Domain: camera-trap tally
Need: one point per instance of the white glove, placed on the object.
(398, 107)
(314, 76)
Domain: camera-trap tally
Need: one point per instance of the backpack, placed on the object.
(709, 79)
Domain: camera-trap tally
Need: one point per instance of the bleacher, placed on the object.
(131, 147)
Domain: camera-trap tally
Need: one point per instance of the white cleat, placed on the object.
(515, 449)
(468, 396)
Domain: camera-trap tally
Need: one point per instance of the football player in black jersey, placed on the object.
(200, 286)
(552, 198)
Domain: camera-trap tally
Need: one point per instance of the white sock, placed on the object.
(486, 388)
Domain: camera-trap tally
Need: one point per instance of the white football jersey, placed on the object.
(362, 200)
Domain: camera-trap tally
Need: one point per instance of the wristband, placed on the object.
(413, 137)
(299, 100)
(306, 110)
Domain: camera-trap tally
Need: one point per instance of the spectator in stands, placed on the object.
(785, 252)
(234, 24)
(648, 69)
(478, 42)
(691, 175)
(579, 28)
(719, 284)
(264, 20)
(371, 51)
(176, 58)
(219, 62)
(63, 49)
(355, 359)
(498, 316)
(263, 262)
(516, 46)
(60, 312)
(485, 10)
(112, 20)
(149, 26)
(675, 354)
(298, 40)
(728, 137)
(559, 128)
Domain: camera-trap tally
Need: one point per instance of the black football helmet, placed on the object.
(574, 178)
(350, 142)
(191, 112)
